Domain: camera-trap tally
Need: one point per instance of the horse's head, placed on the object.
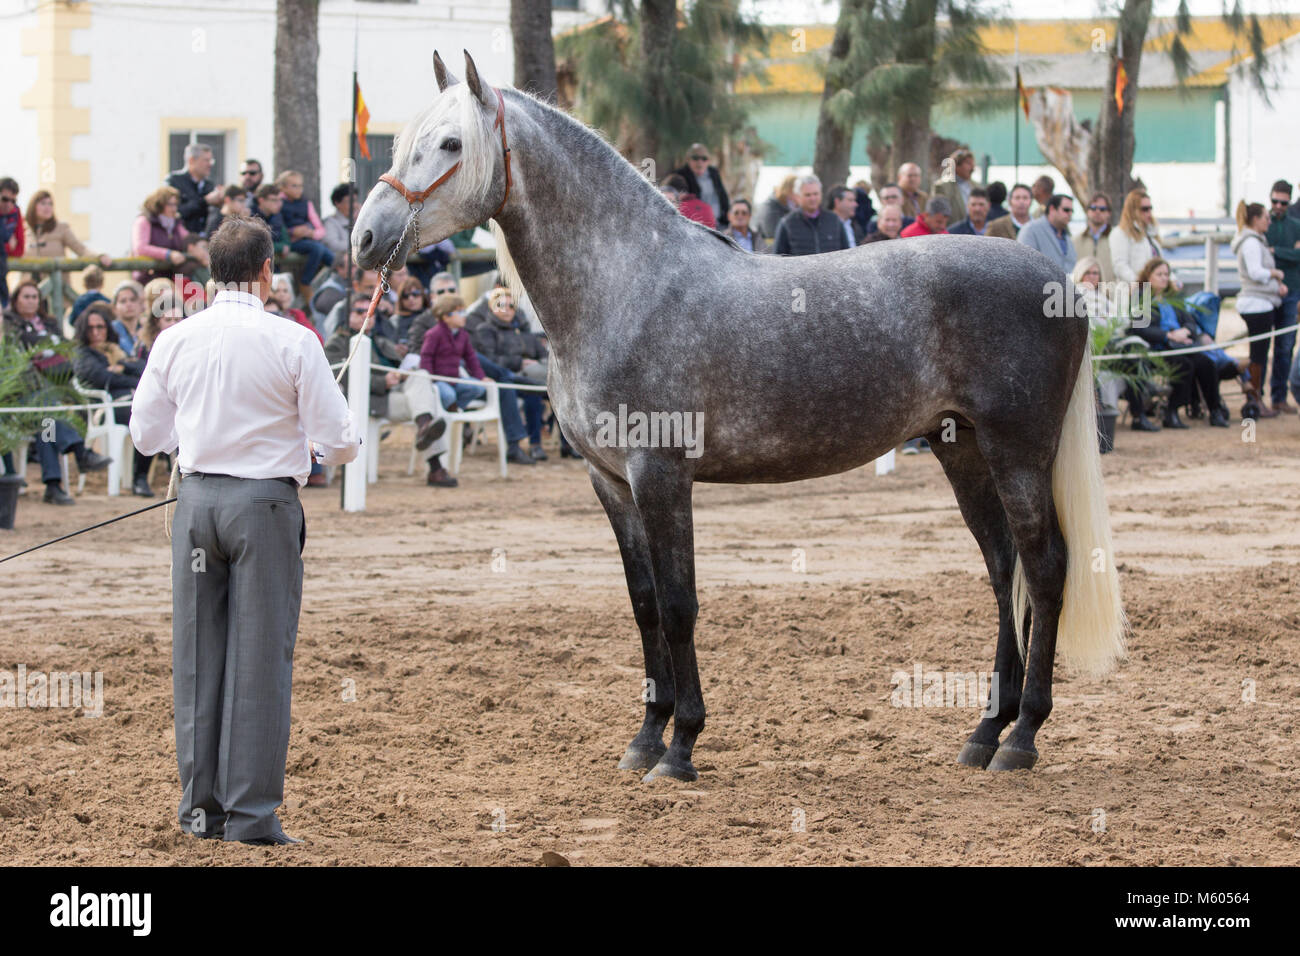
(454, 147)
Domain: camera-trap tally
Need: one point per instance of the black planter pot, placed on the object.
(1106, 431)
(9, 485)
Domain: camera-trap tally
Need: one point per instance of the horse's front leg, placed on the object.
(648, 746)
(661, 489)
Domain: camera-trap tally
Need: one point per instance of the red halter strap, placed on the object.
(414, 197)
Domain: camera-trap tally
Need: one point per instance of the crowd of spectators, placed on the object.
(423, 323)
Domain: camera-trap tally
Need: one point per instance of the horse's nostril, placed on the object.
(367, 240)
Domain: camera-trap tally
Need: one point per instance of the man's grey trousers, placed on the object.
(236, 592)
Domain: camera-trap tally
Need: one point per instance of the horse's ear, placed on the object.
(476, 86)
(443, 75)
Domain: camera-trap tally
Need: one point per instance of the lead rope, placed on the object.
(412, 223)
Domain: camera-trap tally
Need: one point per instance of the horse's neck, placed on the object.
(561, 223)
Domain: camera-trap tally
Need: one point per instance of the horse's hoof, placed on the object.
(672, 767)
(976, 755)
(641, 758)
(1010, 758)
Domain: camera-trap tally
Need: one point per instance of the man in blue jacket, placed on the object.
(1050, 233)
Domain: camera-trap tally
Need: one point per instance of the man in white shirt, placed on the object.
(242, 393)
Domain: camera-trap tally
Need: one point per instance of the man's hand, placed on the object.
(215, 197)
(303, 231)
(402, 349)
(392, 379)
(1180, 336)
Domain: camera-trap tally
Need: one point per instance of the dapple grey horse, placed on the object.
(799, 367)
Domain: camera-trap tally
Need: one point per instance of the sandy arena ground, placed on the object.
(492, 707)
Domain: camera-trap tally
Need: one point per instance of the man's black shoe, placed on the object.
(140, 487)
(91, 460)
(518, 456)
(279, 839)
(429, 431)
(55, 495)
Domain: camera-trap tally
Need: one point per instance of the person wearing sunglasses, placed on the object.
(101, 363)
(250, 177)
(1284, 238)
(704, 180)
(13, 241)
(1136, 241)
(1094, 240)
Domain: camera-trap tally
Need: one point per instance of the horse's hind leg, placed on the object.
(1025, 488)
(972, 483)
(648, 746)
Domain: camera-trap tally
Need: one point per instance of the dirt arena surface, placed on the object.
(506, 697)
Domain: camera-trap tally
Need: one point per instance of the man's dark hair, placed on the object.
(1057, 199)
(891, 186)
(1047, 182)
(1021, 186)
(1281, 186)
(254, 162)
(10, 184)
(978, 192)
(835, 195)
(341, 191)
(234, 192)
(678, 182)
(741, 199)
(267, 191)
(997, 192)
(239, 248)
(1100, 195)
(193, 239)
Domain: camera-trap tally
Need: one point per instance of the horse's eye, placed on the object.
(451, 145)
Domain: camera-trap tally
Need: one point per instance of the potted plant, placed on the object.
(21, 385)
(1109, 337)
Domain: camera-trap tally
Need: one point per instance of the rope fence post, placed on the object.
(354, 473)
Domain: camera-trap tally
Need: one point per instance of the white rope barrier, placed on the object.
(1160, 353)
(421, 373)
(24, 409)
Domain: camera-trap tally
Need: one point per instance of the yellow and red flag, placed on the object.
(1022, 93)
(1121, 84)
(363, 120)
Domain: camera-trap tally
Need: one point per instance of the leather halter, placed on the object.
(415, 198)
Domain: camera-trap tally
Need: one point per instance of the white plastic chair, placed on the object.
(489, 411)
(102, 425)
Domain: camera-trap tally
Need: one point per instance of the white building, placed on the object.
(101, 96)
(1264, 137)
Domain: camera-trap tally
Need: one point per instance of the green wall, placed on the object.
(1171, 128)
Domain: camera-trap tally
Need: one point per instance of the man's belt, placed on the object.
(210, 474)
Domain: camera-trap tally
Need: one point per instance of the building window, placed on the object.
(219, 140)
(564, 4)
(381, 158)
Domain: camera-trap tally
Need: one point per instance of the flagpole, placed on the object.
(1015, 109)
(352, 203)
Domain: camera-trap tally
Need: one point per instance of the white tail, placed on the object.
(1091, 633)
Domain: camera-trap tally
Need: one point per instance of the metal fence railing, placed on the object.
(285, 263)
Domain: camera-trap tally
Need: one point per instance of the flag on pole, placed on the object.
(1121, 84)
(1022, 93)
(363, 119)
